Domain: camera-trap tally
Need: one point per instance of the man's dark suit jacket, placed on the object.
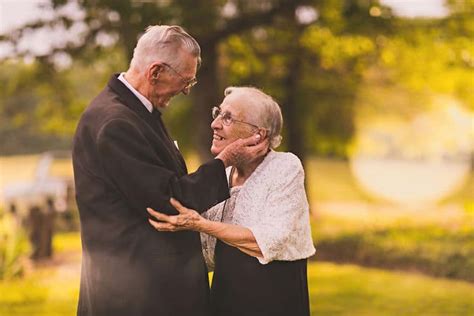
(125, 161)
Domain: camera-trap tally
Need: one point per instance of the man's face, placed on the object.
(167, 82)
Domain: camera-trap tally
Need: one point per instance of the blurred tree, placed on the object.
(460, 21)
(40, 106)
(312, 62)
(121, 22)
(312, 55)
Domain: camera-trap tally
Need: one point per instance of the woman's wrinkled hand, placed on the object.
(187, 219)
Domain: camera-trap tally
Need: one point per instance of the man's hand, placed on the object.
(187, 219)
(244, 151)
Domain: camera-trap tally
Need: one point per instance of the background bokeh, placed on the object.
(378, 103)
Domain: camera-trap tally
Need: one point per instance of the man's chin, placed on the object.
(162, 103)
(165, 104)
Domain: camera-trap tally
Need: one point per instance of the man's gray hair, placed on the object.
(163, 42)
(266, 109)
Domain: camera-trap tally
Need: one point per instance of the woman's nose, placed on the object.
(216, 123)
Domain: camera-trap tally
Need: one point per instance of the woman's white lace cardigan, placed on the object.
(272, 203)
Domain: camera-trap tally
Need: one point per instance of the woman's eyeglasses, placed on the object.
(227, 118)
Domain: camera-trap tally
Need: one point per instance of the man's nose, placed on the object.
(186, 90)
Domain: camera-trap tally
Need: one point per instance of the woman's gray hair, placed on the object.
(267, 114)
(163, 42)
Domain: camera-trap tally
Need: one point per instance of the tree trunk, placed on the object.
(291, 112)
(41, 229)
(206, 95)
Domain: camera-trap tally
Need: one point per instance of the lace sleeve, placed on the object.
(283, 231)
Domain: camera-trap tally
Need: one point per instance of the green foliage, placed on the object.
(13, 247)
(428, 248)
(331, 83)
(410, 60)
(40, 106)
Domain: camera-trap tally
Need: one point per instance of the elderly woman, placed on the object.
(258, 240)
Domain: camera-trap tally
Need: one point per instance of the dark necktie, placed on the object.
(157, 115)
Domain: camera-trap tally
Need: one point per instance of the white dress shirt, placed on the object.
(140, 96)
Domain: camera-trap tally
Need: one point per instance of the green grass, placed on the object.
(45, 292)
(52, 289)
(352, 290)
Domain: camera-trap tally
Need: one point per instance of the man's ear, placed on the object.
(154, 71)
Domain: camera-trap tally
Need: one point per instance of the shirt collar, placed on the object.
(140, 96)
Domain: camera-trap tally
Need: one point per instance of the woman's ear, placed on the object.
(262, 132)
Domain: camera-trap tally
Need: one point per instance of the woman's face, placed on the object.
(223, 134)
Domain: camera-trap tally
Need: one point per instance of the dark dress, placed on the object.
(242, 286)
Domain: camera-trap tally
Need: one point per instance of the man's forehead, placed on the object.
(188, 61)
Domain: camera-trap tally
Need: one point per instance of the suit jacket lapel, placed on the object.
(131, 101)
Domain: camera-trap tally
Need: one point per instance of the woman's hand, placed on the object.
(187, 219)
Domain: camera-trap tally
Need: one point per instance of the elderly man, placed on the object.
(125, 161)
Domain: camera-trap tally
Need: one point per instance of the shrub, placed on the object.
(431, 249)
(14, 247)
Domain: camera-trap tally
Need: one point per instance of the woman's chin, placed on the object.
(215, 151)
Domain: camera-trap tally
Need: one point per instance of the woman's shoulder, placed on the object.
(284, 160)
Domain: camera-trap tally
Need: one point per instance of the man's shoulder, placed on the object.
(107, 101)
(106, 106)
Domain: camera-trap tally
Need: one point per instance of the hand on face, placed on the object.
(244, 151)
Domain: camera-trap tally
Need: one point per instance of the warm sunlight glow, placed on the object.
(417, 161)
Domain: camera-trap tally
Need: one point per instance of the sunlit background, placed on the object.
(378, 103)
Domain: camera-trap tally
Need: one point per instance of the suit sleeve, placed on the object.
(138, 172)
